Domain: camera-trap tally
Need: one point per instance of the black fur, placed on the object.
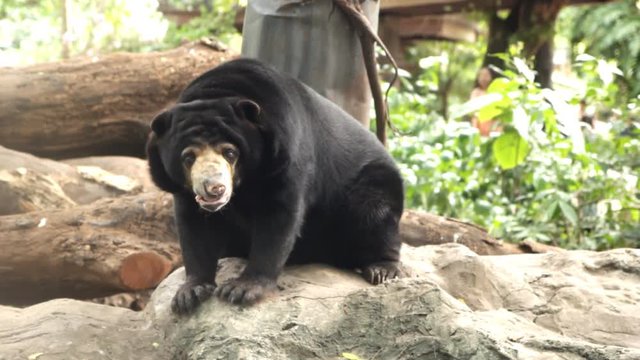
(312, 185)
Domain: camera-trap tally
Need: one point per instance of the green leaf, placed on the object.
(502, 85)
(550, 211)
(510, 150)
(430, 61)
(476, 104)
(584, 57)
(521, 121)
(607, 71)
(523, 69)
(489, 113)
(568, 212)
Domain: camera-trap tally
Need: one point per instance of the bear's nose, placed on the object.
(213, 189)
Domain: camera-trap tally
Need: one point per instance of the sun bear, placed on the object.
(263, 167)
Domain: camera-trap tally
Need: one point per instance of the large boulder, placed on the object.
(455, 305)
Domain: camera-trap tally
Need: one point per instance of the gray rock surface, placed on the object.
(70, 329)
(454, 305)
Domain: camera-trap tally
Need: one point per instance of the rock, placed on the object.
(455, 305)
(71, 329)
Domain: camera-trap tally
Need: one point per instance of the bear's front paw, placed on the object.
(245, 290)
(379, 272)
(190, 295)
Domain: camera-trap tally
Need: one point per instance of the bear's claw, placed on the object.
(245, 291)
(380, 272)
(190, 296)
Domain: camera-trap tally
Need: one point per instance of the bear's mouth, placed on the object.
(210, 175)
(211, 204)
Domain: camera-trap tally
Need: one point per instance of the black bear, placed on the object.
(263, 167)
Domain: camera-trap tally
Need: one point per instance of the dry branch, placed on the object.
(368, 38)
(94, 106)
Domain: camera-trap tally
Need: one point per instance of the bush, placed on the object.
(545, 177)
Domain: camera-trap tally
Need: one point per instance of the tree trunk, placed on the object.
(108, 247)
(125, 243)
(28, 183)
(64, 24)
(532, 22)
(543, 64)
(419, 228)
(129, 243)
(97, 106)
(500, 31)
(133, 168)
(536, 28)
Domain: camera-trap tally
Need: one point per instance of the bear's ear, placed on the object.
(156, 167)
(161, 123)
(249, 109)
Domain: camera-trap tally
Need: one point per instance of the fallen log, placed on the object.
(418, 228)
(135, 301)
(125, 243)
(95, 106)
(129, 243)
(107, 247)
(133, 168)
(28, 183)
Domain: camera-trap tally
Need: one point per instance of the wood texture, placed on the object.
(29, 183)
(95, 106)
(419, 228)
(129, 243)
(107, 247)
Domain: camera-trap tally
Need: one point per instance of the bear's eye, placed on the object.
(188, 159)
(230, 154)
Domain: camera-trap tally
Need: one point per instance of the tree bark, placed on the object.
(64, 24)
(500, 31)
(532, 22)
(134, 168)
(129, 243)
(543, 64)
(28, 183)
(110, 246)
(96, 106)
(419, 228)
(536, 28)
(124, 243)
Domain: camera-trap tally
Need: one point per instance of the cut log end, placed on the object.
(143, 270)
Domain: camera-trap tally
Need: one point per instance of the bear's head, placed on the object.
(204, 148)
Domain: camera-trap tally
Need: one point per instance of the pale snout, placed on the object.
(212, 182)
(212, 195)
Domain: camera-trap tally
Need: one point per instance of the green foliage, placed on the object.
(446, 79)
(544, 177)
(28, 28)
(31, 31)
(216, 21)
(610, 31)
(510, 150)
